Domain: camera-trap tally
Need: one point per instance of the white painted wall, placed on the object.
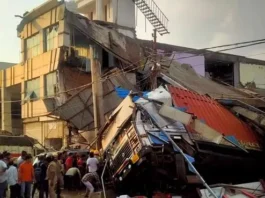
(125, 12)
(121, 12)
(252, 73)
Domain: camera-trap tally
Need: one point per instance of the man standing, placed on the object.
(69, 161)
(92, 163)
(52, 176)
(59, 171)
(21, 158)
(26, 176)
(43, 179)
(6, 159)
(13, 180)
(3, 176)
(39, 169)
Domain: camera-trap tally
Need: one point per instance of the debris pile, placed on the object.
(170, 139)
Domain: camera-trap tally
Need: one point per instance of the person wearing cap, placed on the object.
(96, 153)
(59, 171)
(52, 176)
(92, 163)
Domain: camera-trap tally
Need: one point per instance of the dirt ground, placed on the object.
(65, 194)
(68, 194)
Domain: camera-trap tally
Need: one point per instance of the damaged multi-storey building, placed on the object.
(50, 91)
(65, 56)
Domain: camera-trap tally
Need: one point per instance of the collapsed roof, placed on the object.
(215, 115)
(122, 47)
(183, 75)
(194, 117)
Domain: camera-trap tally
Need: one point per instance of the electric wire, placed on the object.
(134, 68)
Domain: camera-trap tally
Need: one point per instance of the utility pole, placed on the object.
(155, 69)
(69, 139)
(97, 90)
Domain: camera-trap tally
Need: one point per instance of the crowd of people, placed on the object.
(49, 175)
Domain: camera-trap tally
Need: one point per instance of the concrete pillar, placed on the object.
(236, 74)
(22, 53)
(97, 88)
(114, 7)
(43, 87)
(6, 105)
(125, 13)
(99, 10)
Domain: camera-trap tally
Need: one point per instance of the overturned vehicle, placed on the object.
(138, 137)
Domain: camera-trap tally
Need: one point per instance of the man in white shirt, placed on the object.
(3, 176)
(12, 180)
(92, 163)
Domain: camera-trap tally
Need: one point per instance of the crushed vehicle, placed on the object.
(141, 158)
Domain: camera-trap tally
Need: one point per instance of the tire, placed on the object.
(180, 168)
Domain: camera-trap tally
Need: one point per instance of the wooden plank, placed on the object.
(124, 113)
(187, 119)
(175, 114)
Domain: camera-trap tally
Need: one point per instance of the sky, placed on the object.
(192, 23)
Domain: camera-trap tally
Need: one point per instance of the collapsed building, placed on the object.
(142, 159)
(50, 90)
(63, 54)
(73, 77)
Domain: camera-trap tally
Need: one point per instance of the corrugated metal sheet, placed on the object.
(16, 141)
(187, 77)
(214, 115)
(78, 109)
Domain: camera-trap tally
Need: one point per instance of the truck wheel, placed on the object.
(180, 168)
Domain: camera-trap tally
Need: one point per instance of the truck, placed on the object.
(141, 159)
(16, 144)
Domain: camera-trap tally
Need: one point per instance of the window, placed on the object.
(51, 37)
(32, 89)
(33, 46)
(51, 84)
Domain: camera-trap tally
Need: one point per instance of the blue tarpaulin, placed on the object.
(123, 93)
(234, 141)
(156, 140)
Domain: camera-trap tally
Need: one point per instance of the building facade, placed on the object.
(56, 59)
(118, 12)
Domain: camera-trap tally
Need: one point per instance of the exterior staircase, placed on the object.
(154, 15)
